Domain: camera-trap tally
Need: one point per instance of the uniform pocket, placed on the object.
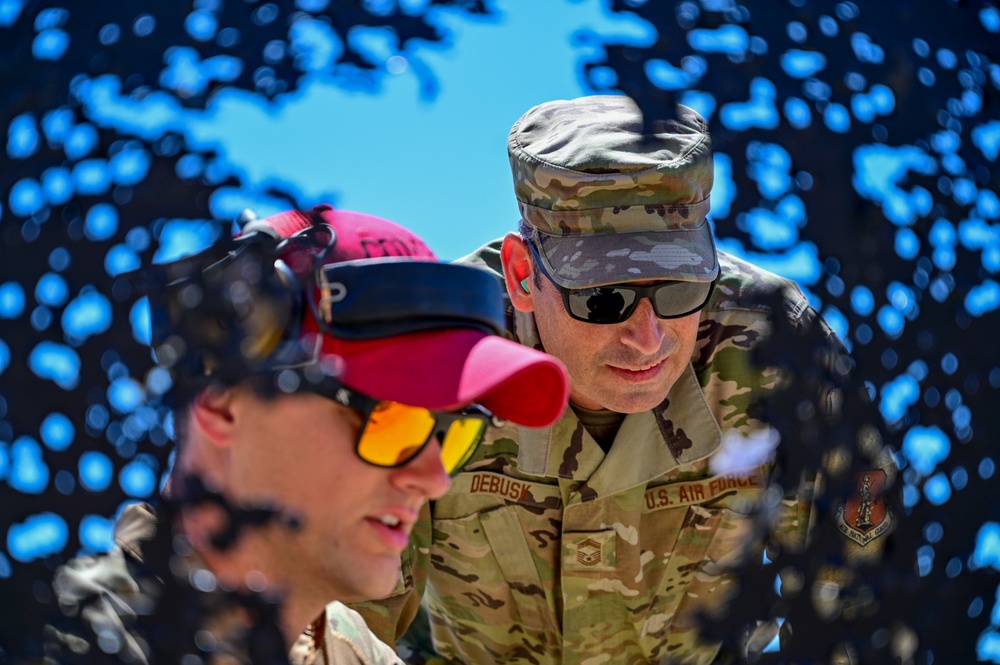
(693, 531)
(491, 562)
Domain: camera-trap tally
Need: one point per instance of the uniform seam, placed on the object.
(622, 207)
(354, 647)
(522, 150)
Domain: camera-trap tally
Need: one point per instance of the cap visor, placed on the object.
(581, 261)
(447, 369)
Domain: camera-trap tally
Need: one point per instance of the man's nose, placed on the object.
(642, 330)
(424, 474)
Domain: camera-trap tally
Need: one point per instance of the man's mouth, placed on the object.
(389, 520)
(638, 369)
(394, 529)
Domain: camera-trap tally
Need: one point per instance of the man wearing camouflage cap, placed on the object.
(606, 533)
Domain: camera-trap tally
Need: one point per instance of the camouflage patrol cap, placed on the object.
(605, 203)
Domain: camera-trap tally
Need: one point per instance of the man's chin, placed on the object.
(369, 590)
(382, 582)
(632, 401)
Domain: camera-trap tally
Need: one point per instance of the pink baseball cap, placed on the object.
(446, 361)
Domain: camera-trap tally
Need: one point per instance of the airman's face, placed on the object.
(626, 367)
(297, 453)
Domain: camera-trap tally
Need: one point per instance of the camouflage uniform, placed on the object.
(111, 591)
(546, 550)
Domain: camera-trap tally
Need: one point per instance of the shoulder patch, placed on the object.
(865, 516)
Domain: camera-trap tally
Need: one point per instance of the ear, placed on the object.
(213, 415)
(516, 259)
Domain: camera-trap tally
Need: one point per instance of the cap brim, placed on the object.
(447, 369)
(581, 261)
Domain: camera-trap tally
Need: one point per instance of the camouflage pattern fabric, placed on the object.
(546, 550)
(111, 594)
(642, 256)
(589, 168)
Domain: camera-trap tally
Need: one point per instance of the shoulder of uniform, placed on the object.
(486, 257)
(752, 297)
(349, 634)
(746, 286)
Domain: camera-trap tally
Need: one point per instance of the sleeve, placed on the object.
(486, 257)
(852, 487)
(863, 515)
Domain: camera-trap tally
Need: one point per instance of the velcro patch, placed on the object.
(866, 516)
(705, 490)
(499, 486)
(593, 551)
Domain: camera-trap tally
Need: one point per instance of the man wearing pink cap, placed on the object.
(329, 376)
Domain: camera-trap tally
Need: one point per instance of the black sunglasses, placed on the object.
(614, 303)
(393, 433)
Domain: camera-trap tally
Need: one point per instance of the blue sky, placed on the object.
(434, 163)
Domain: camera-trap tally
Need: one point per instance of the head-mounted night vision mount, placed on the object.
(237, 308)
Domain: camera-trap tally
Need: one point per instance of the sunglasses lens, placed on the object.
(460, 441)
(601, 304)
(395, 433)
(676, 299)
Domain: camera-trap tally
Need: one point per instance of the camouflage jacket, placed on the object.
(546, 550)
(110, 593)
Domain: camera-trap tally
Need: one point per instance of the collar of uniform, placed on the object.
(311, 646)
(135, 527)
(680, 430)
(525, 331)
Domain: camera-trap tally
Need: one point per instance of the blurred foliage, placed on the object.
(863, 138)
(833, 83)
